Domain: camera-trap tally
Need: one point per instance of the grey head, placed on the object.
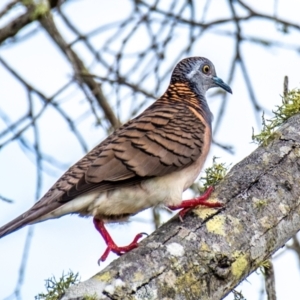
(199, 73)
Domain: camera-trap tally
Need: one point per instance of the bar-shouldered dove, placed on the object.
(148, 161)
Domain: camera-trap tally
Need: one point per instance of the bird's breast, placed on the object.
(192, 172)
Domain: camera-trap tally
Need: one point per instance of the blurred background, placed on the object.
(72, 71)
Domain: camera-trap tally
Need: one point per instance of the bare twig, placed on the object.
(79, 68)
(8, 7)
(5, 199)
(269, 279)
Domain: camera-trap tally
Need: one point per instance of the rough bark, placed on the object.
(213, 250)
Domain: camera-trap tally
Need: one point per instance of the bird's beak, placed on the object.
(219, 82)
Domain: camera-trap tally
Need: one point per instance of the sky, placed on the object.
(71, 243)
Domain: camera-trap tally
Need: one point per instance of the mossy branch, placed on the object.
(290, 106)
(213, 250)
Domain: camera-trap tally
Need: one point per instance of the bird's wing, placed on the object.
(160, 141)
(163, 139)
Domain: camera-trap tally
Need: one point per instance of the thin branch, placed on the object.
(5, 199)
(79, 68)
(47, 101)
(295, 246)
(8, 7)
(11, 29)
(270, 280)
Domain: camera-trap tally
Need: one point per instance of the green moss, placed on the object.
(266, 264)
(40, 8)
(90, 297)
(259, 203)
(57, 288)
(27, 2)
(213, 175)
(289, 107)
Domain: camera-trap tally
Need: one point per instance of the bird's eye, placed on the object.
(205, 69)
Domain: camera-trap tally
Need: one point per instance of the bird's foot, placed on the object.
(111, 245)
(186, 205)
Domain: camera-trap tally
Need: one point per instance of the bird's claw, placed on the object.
(186, 205)
(112, 247)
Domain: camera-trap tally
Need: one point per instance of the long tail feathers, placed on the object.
(13, 225)
(32, 216)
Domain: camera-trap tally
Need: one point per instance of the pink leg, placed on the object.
(111, 246)
(186, 205)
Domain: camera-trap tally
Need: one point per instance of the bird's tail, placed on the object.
(35, 214)
(13, 225)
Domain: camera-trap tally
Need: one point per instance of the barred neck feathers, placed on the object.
(186, 94)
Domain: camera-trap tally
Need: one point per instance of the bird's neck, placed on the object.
(187, 95)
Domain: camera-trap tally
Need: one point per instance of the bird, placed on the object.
(149, 161)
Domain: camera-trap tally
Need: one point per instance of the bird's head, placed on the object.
(200, 73)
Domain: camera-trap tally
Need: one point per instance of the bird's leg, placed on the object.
(186, 205)
(111, 246)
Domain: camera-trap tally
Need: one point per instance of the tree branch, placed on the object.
(212, 251)
(79, 68)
